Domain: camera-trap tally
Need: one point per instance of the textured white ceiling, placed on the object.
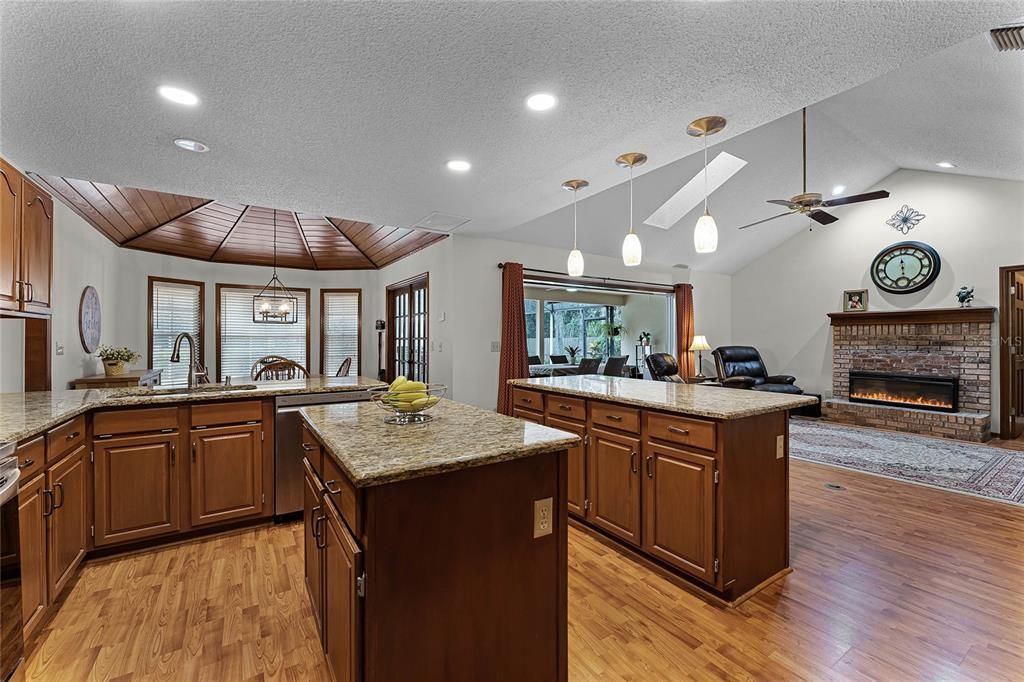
(352, 108)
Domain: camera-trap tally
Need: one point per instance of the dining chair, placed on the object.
(560, 359)
(589, 366)
(344, 367)
(283, 369)
(534, 360)
(265, 360)
(615, 365)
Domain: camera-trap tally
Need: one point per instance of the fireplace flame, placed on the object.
(902, 400)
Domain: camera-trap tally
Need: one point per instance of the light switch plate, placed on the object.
(495, 346)
(60, 349)
(780, 446)
(542, 517)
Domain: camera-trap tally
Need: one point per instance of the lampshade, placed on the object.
(705, 235)
(700, 342)
(574, 266)
(632, 252)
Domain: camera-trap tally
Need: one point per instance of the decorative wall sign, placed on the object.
(855, 301)
(89, 319)
(905, 219)
(905, 267)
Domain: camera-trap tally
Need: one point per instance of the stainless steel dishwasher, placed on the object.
(288, 444)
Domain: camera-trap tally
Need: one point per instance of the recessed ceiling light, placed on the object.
(458, 165)
(541, 101)
(191, 145)
(178, 96)
(945, 164)
(838, 189)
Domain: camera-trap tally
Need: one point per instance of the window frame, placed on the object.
(256, 288)
(408, 286)
(200, 342)
(323, 329)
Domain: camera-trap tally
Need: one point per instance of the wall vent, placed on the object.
(1007, 38)
(441, 222)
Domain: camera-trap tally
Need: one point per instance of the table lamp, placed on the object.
(700, 344)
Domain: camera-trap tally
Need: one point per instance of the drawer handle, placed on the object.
(681, 432)
(307, 447)
(563, 406)
(47, 496)
(73, 435)
(327, 484)
(313, 526)
(193, 451)
(60, 487)
(26, 464)
(526, 400)
(650, 466)
(174, 449)
(613, 417)
(633, 465)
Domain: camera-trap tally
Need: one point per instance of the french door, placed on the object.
(408, 349)
(1011, 332)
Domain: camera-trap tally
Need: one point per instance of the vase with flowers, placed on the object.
(115, 359)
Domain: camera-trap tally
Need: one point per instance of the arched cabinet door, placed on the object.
(10, 237)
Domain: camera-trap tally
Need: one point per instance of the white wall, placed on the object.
(12, 355)
(712, 312)
(780, 301)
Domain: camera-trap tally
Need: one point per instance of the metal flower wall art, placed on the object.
(905, 219)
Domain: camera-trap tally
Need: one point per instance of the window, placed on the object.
(241, 342)
(532, 332)
(175, 306)
(340, 312)
(408, 329)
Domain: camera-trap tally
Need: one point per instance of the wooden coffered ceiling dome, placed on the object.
(223, 232)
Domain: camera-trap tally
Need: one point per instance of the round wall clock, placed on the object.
(905, 267)
(89, 319)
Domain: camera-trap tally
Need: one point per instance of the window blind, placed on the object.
(340, 325)
(243, 342)
(176, 307)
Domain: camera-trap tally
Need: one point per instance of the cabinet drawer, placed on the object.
(615, 416)
(695, 433)
(214, 414)
(530, 400)
(312, 451)
(342, 493)
(65, 438)
(145, 420)
(31, 456)
(528, 415)
(567, 408)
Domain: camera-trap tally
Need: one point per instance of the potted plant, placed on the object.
(114, 359)
(572, 352)
(644, 339)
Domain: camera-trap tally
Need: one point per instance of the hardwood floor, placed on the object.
(892, 581)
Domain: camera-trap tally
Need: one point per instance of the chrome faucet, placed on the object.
(176, 357)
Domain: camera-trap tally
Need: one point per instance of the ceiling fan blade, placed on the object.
(854, 198)
(766, 220)
(782, 202)
(822, 217)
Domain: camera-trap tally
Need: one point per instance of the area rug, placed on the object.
(964, 467)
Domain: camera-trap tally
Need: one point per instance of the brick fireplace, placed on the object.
(946, 346)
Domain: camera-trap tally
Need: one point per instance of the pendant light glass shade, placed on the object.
(705, 235)
(632, 252)
(574, 266)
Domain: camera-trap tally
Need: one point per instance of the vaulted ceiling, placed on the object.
(225, 232)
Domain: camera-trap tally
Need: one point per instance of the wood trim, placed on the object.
(323, 327)
(389, 295)
(142, 234)
(926, 316)
(1005, 307)
(201, 341)
(256, 287)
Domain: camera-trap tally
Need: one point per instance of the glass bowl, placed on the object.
(408, 406)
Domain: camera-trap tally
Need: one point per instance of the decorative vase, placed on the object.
(113, 368)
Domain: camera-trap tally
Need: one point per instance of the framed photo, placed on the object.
(855, 300)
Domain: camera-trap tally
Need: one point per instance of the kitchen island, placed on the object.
(688, 478)
(437, 551)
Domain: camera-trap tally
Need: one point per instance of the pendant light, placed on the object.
(275, 304)
(632, 252)
(705, 234)
(574, 266)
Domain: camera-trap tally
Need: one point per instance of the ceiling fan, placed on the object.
(810, 203)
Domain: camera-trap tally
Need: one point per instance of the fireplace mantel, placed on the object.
(924, 316)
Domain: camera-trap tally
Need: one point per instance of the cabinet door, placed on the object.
(679, 509)
(137, 489)
(613, 484)
(36, 248)
(227, 473)
(312, 514)
(10, 236)
(69, 523)
(577, 489)
(32, 528)
(342, 628)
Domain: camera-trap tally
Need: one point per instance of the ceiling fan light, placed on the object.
(574, 266)
(632, 252)
(705, 235)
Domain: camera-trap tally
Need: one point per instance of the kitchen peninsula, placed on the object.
(692, 479)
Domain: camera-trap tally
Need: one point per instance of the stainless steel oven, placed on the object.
(12, 646)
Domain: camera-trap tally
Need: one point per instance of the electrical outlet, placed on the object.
(542, 513)
(495, 346)
(60, 349)
(444, 316)
(780, 446)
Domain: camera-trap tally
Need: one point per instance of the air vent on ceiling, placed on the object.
(441, 222)
(1007, 38)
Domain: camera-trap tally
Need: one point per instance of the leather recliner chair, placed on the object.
(742, 367)
(663, 367)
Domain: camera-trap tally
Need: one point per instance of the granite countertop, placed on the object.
(460, 436)
(715, 402)
(26, 414)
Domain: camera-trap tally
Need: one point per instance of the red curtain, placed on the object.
(513, 362)
(684, 328)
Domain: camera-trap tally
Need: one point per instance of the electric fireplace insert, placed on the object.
(905, 390)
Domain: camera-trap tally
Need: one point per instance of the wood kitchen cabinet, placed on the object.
(576, 496)
(342, 606)
(227, 473)
(68, 518)
(137, 487)
(613, 483)
(313, 558)
(26, 244)
(10, 237)
(32, 529)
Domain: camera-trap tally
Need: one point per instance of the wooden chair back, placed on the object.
(344, 367)
(282, 369)
(265, 360)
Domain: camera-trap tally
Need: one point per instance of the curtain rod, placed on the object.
(585, 278)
